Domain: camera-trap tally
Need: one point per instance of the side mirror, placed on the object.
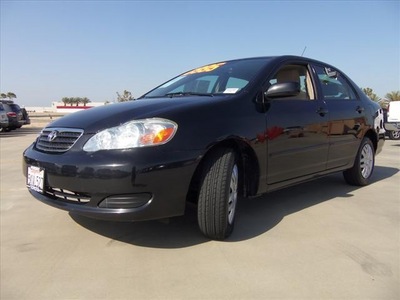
(281, 90)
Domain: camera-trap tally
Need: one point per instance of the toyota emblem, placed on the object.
(52, 136)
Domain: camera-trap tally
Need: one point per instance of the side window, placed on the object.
(299, 74)
(333, 85)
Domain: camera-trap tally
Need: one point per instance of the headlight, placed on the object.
(133, 134)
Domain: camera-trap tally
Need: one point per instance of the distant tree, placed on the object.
(77, 100)
(85, 101)
(126, 96)
(393, 96)
(370, 93)
(9, 95)
(71, 101)
(65, 100)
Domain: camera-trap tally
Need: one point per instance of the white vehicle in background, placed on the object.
(392, 125)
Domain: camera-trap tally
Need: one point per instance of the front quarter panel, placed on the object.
(163, 171)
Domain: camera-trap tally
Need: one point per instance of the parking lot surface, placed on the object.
(318, 240)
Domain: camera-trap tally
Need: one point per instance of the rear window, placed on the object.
(15, 108)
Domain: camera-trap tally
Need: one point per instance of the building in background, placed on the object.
(60, 107)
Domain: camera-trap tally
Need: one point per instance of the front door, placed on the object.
(296, 129)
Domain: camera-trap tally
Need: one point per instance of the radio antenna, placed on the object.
(304, 50)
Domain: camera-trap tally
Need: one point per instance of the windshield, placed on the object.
(220, 78)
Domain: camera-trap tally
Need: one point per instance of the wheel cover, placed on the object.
(396, 134)
(366, 161)
(233, 194)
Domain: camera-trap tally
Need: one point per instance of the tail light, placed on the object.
(12, 114)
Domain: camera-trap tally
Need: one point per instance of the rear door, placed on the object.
(296, 128)
(346, 115)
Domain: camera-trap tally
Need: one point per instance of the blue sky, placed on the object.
(55, 49)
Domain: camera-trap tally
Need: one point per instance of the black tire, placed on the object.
(218, 194)
(363, 166)
(394, 135)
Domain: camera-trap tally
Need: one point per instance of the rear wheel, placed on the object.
(218, 194)
(394, 135)
(363, 166)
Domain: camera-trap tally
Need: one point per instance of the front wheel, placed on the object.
(218, 194)
(363, 166)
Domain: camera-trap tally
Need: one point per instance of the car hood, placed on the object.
(94, 119)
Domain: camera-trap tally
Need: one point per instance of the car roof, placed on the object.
(7, 101)
(283, 58)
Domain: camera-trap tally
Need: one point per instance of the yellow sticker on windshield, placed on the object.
(205, 69)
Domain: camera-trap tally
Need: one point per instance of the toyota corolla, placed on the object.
(222, 132)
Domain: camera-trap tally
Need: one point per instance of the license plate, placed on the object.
(35, 179)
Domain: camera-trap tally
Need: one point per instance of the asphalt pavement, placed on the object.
(318, 240)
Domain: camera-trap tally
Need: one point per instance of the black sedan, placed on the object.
(228, 130)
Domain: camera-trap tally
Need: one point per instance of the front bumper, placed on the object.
(129, 185)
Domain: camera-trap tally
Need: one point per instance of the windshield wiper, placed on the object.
(182, 94)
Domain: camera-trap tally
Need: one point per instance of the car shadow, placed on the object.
(254, 216)
(20, 132)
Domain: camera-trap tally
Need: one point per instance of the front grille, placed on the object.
(58, 139)
(65, 195)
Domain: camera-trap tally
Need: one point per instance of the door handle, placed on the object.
(322, 111)
(360, 109)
